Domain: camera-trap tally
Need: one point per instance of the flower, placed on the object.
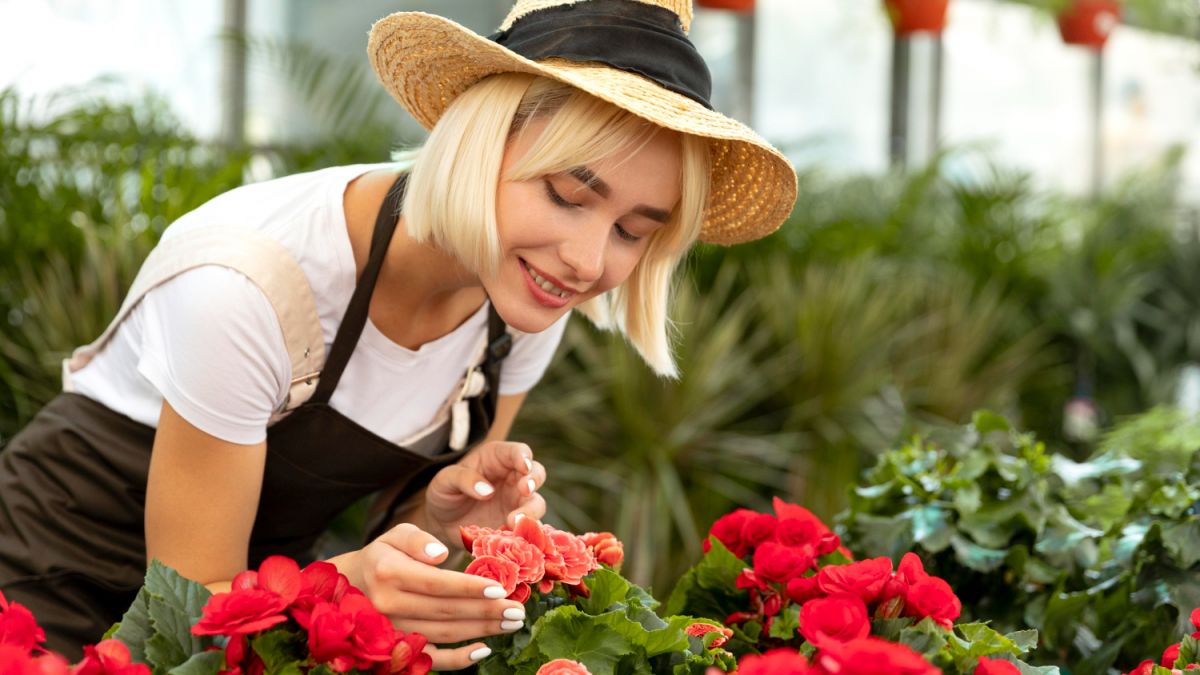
(470, 532)
(319, 582)
(501, 570)
(605, 547)
(18, 627)
(1144, 668)
(802, 589)
(577, 559)
(759, 528)
(865, 579)
(563, 667)
(240, 612)
(774, 662)
(840, 617)
(1196, 618)
(995, 667)
(408, 657)
(110, 657)
(15, 660)
(933, 597)
(779, 563)
(530, 560)
(728, 530)
(350, 634)
(870, 656)
(1171, 655)
(700, 629)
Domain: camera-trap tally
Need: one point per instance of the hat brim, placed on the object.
(425, 61)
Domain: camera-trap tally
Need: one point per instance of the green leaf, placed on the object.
(930, 527)
(1189, 652)
(719, 568)
(1183, 541)
(967, 498)
(926, 637)
(279, 649)
(709, 588)
(1027, 669)
(976, 557)
(985, 641)
(607, 589)
(1025, 640)
(202, 663)
(175, 605)
(786, 623)
(890, 629)
(987, 421)
(134, 628)
(598, 642)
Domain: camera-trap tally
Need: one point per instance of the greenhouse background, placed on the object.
(989, 219)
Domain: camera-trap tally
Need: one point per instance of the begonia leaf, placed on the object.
(134, 628)
(175, 604)
(1182, 540)
(606, 589)
(279, 648)
(1189, 652)
(202, 663)
(598, 642)
(926, 637)
(786, 623)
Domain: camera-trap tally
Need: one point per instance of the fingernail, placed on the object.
(484, 489)
(480, 654)
(495, 592)
(532, 486)
(435, 549)
(515, 613)
(517, 518)
(528, 465)
(511, 625)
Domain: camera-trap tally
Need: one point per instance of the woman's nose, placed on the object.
(584, 250)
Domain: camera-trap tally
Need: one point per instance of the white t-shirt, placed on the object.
(210, 343)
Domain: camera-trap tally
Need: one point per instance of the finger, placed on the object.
(416, 543)
(416, 607)
(442, 632)
(405, 571)
(533, 507)
(458, 658)
(538, 476)
(500, 457)
(457, 480)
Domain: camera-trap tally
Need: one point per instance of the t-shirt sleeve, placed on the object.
(530, 356)
(213, 348)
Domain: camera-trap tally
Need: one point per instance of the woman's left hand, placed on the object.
(494, 485)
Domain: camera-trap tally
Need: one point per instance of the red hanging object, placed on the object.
(1089, 22)
(917, 16)
(735, 5)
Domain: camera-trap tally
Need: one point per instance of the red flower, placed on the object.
(779, 563)
(15, 660)
(774, 662)
(350, 634)
(1170, 656)
(933, 597)
(531, 562)
(786, 511)
(841, 617)
(995, 667)
(408, 657)
(18, 627)
(280, 575)
(563, 667)
(319, 582)
(700, 629)
(871, 656)
(522, 592)
(470, 533)
(910, 570)
(1144, 668)
(110, 657)
(606, 547)
(577, 558)
(501, 570)
(1196, 618)
(240, 612)
(329, 636)
(728, 530)
(864, 579)
(759, 528)
(802, 589)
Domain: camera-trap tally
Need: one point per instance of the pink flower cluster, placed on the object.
(837, 601)
(532, 555)
(344, 630)
(21, 651)
(1171, 655)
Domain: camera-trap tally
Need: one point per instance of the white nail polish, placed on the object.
(514, 613)
(517, 518)
(495, 592)
(511, 625)
(528, 465)
(484, 489)
(434, 549)
(532, 486)
(480, 654)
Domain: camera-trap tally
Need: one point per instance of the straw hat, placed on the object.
(425, 61)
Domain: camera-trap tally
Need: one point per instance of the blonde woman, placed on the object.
(295, 345)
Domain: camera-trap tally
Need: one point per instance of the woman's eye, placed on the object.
(557, 198)
(625, 234)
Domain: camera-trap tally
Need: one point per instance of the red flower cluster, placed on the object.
(1171, 655)
(563, 667)
(859, 656)
(533, 555)
(344, 629)
(700, 629)
(21, 651)
(837, 601)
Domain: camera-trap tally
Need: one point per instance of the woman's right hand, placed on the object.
(398, 572)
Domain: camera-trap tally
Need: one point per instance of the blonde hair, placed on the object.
(451, 197)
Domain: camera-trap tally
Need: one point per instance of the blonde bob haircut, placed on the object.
(451, 196)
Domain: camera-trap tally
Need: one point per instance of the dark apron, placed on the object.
(73, 482)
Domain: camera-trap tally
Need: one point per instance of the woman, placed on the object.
(295, 345)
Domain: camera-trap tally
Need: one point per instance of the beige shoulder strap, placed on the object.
(260, 258)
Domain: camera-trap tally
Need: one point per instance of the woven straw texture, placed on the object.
(681, 8)
(425, 61)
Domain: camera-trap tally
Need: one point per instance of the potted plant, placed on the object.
(917, 16)
(1089, 22)
(735, 5)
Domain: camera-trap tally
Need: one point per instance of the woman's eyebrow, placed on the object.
(596, 184)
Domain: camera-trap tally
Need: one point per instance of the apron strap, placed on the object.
(260, 258)
(355, 318)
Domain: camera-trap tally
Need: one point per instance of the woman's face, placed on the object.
(567, 238)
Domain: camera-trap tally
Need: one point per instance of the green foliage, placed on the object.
(1101, 556)
(157, 627)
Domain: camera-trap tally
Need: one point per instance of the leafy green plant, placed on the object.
(1101, 556)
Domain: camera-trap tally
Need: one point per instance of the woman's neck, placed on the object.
(423, 292)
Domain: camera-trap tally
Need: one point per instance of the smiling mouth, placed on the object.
(544, 283)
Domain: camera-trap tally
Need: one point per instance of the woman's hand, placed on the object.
(399, 573)
(493, 486)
